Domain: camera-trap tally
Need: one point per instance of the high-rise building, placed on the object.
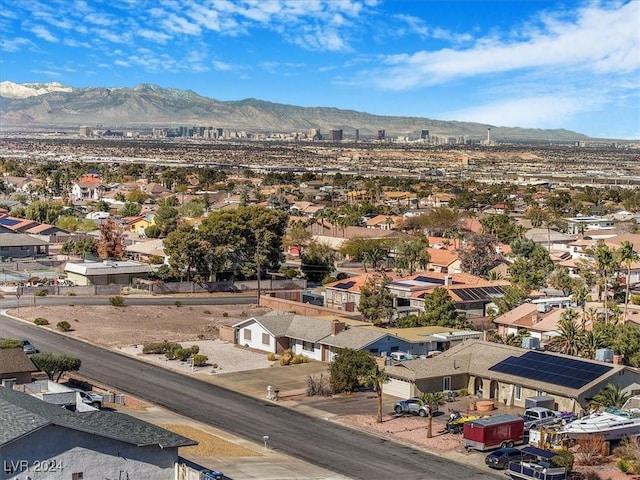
(336, 135)
(357, 134)
(86, 131)
(381, 134)
(424, 134)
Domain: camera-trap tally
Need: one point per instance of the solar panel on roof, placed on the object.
(345, 285)
(565, 372)
(436, 281)
(9, 221)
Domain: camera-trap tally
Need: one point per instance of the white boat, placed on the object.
(611, 424)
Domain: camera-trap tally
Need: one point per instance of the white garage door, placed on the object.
(397, 388)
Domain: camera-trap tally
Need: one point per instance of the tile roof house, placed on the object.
(508, 375)
(98, 444)
(15, 367)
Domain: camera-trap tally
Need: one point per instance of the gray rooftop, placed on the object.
(20, 240)
(14, 360)
(21, 414)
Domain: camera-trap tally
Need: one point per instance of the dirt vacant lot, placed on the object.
(123, 326)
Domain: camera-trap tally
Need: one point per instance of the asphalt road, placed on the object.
(314, 440)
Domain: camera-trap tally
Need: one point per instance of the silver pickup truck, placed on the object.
(540, 416)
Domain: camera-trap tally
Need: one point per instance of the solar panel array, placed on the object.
(565, 372)
(478, 293)
(344, 285)
(10, 222)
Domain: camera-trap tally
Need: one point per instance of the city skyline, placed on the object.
(542, 64)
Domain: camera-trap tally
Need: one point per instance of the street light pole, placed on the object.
(258, 269)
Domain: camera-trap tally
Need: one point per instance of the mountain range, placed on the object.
(32, 105)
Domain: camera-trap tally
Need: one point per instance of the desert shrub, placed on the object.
(70, 294)
(195, 349)
(328, 279)
(182, 354)
(629, 453)
(207, 312)
(291, 273)
(40, 293)
(318, 386)
(591, 450)
(271, 357)
(177, 303)
(591, 475)
(10, 343)
(463, 392)
(214, 366)
(199, 360)
(635, 299)
(160, 347)
(117, 301)
(563, 459)
(225, 314)
(298, 359)
(41, 321)
(623, 465)
(286, 357)
(63, 326)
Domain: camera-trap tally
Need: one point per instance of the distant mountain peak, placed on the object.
(26, 90)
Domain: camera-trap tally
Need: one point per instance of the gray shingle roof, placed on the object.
(14, 360)
(475, 357)
(21, 414)
(20, 240)
(353, 337)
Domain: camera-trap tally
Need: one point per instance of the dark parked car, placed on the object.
(28, 348)
(500, 458)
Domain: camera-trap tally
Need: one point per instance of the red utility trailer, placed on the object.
(493, 432)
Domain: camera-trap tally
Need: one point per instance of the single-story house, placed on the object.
(76, 445)
(550, 239)
(21, 245)
(107, 272)
(320, 338)
(148, 249)
(507, 375)
(15, 367)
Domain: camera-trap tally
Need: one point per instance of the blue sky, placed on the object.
(529, 63)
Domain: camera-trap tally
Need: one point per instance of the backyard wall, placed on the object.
(306, 309)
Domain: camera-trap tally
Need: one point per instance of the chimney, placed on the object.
(535, 318)
(617, 359)
(447, 280)
(337, 327)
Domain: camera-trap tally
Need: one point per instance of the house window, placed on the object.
(247, 334)
(446, 383)
(265, 339)
(394, 349)
(517, 392)
(308, 346)
(373, 351)
(77, 476)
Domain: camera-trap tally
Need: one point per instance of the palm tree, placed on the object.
(606, 265)
(374, 257)
(609, 396)
(627, 256)
(375, 379)
(591, 341)
(570, 337)
(433, 400)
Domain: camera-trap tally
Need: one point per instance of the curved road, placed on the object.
(317, 441)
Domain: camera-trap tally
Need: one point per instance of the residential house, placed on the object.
(21, 245)
(472, 295)
(540, 322)
(508, 375)
(321, 338)
(106, 272)
(46, 232)
(87, 191)
(77, 445)
(582, 224)
(15, 224)
(147, 251)
(385, 222)
(136, 225)
(444, 260)
(552, 240)
(15, 367)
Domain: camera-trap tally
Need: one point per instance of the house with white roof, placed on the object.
(107, 272)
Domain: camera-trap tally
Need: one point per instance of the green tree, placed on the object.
(439, 310)
(376, 301)
(570, 334)
(606, 265)
(102, 206)
(610, 396)
(513, 296)
(137, 196)
(182, 246)
(317, 261)
(627, 256)
(412, 253)
(502, 227)
(297, 236)
(68, 223)
(44, 211)
(348, 368)
(130, 209)
(192, 209)
(530, 272)
(56, 364)
(166, 219)
(375, 379)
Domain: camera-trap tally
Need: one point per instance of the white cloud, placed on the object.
(15, 44)
(43, 33)
(48, 73)
(222, 66)
(177, 24)
(153, 35)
